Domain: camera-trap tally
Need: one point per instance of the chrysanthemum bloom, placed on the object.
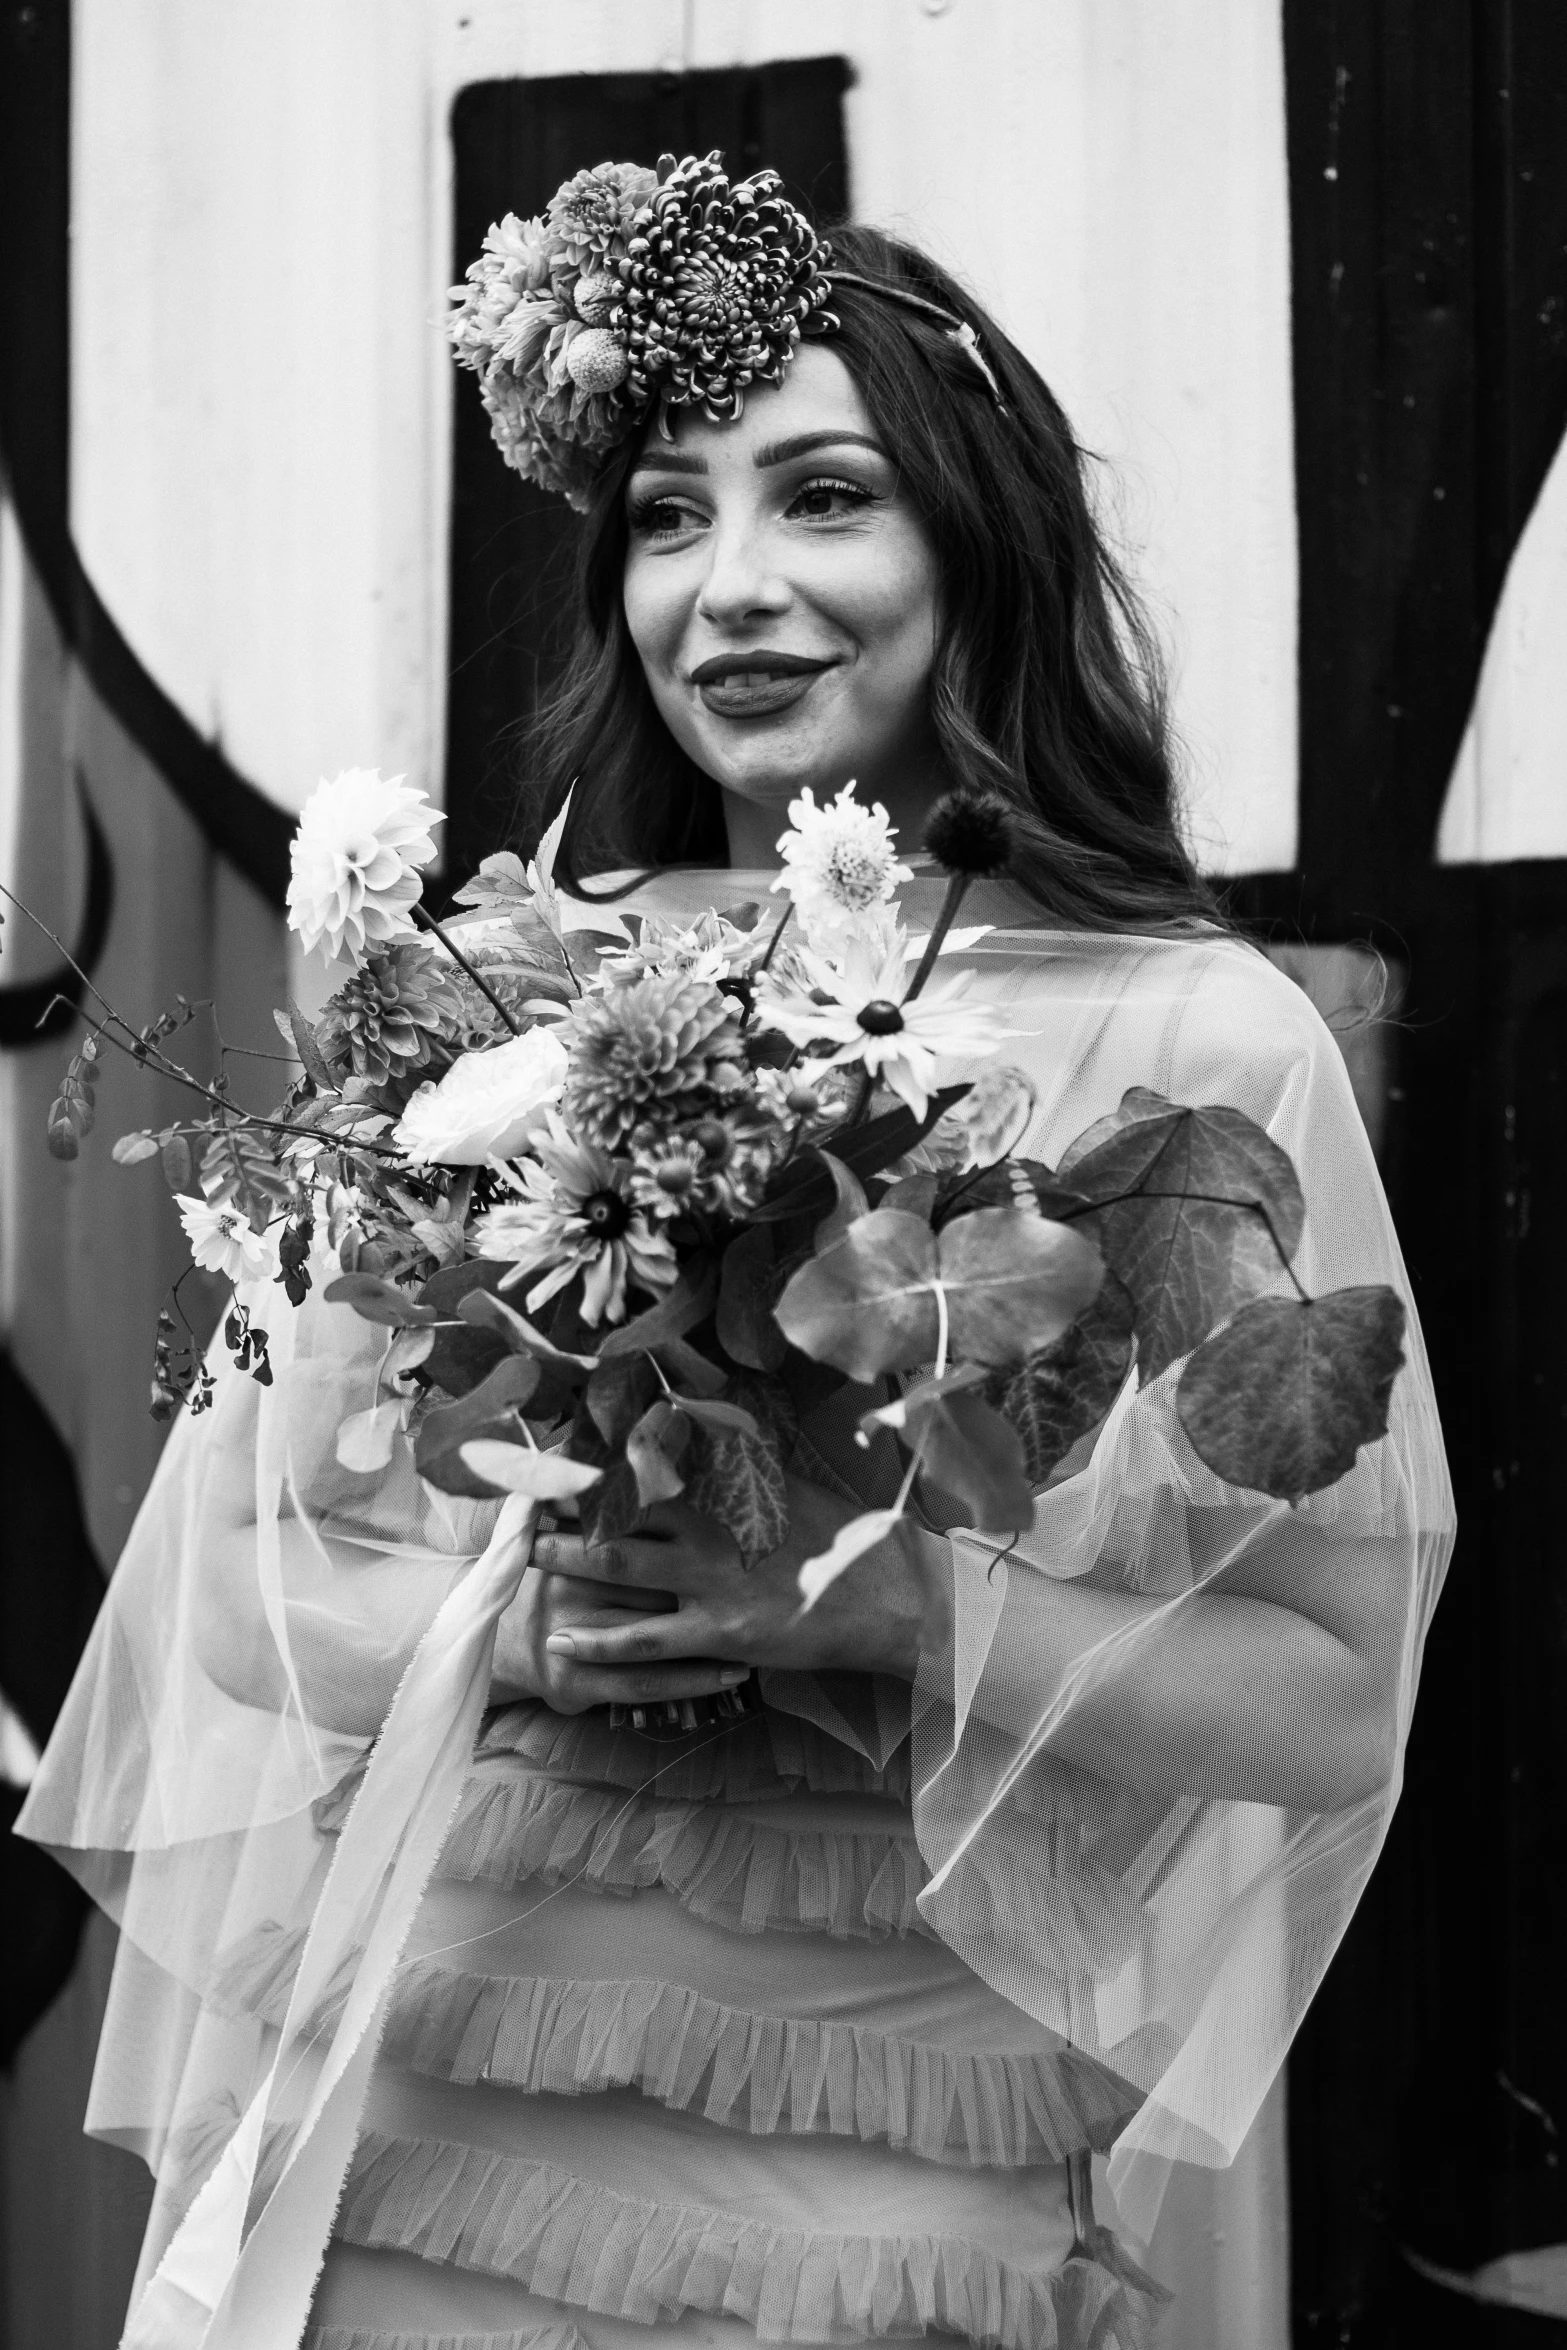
(386, 1017)
(594, 212)
(576, 1214)
(221, 1241)
(356, 854)
(839, 867)
(647, 1051)
(868, 1020)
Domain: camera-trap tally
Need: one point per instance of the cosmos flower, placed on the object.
(575, 1212)
(862, 1011)
(356, 854)
(486, 1105)
(221, 1241)
(840, 866)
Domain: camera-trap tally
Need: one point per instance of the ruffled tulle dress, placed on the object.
(673, 2047)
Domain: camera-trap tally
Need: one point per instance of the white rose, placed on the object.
(487, 1103)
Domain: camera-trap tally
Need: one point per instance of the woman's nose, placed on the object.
(741, 583)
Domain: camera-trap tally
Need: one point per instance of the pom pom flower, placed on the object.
(356, 854)
(970, 832)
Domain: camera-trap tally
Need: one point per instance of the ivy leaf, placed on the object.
(487, 1411)
(379, 1301)
(736, 1473)
(1067, 1388)
(1194, 1210)
(746, 1329)
(1282, 1399)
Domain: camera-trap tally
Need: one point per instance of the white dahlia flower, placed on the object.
(356, 854)
(840, 867)
(221, 1241)
(486, 1105)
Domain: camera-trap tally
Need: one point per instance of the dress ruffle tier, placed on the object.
(528, 1992)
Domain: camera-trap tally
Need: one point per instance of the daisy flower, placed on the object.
(356, 854)
(839, 866)
(864, 1012)
(576, 1212)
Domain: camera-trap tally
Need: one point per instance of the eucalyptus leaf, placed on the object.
(379, 1301)
(490, 1409)
(690, 1301)
(869, 1304)
(365, 1439)
(1283, 1398)
(744, 1316)
(969, 1451)
(1015, 1282)
(517, 1468)
(851, 1542)
(653, 1446)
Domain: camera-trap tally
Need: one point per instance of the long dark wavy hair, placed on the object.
(1046, 685)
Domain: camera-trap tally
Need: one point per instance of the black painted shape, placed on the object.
(35, 95)
(512, 548)
(1430, 354)
(40, 1010)
(50, 1589)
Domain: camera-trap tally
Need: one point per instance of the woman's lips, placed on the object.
(756, 686)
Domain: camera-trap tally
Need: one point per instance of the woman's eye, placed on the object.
(663, 518)
(828, 499)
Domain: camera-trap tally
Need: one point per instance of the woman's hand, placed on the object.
(549, 1607)
(873, 1619)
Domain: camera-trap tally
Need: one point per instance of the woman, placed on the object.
(1016, 1858)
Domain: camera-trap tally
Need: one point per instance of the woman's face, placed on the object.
(781, 592)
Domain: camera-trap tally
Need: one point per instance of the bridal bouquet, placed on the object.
(626, 1200)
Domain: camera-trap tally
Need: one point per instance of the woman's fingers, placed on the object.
(575, 1686)
(646, 1566)
(618, 1638)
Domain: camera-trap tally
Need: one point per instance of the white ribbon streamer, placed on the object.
(221, 2286)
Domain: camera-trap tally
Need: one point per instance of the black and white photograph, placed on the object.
(783, 1174)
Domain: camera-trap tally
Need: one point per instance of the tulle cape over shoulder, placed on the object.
(270, 1604)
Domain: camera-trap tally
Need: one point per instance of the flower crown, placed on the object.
(636, 288)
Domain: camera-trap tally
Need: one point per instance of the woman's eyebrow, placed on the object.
(669, 461)
(801, 444)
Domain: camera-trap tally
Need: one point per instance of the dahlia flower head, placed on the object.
(356, 854)
(633, 290)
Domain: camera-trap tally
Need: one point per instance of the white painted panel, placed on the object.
(255, 353)
(1507, 796)
(262, 397)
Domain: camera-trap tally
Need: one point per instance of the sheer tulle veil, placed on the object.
(270, 1603)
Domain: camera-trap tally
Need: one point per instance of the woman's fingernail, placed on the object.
(561, 1644)
(734, 1674)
